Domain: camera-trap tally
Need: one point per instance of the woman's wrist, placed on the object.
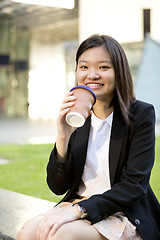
(61, 146)
(82, 211)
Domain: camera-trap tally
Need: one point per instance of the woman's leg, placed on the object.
(77, 230)
(28, 230)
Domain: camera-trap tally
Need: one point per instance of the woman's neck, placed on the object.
(102, 109)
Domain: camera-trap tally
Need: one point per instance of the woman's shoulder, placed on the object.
(141, 106)
(142, 110)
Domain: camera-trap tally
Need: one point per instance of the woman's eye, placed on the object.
(83, 67)
(104, 67)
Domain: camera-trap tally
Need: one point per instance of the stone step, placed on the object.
(2, 237)
(15, 209)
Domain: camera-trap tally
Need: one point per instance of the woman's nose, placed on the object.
(93, 75)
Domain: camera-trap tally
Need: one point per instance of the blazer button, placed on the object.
(59, 174)
(137, 221)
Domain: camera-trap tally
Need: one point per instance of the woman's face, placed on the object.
(96, 71)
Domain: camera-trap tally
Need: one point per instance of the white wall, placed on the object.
(47, 79)
(122, 19)
(155, 20)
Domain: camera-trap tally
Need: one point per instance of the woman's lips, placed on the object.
(94, 85)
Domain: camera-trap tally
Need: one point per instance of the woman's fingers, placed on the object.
(55, 228)
(44, 228)
(54, 219)
(63, 128)
(46, 224)
(68, 102)
(66, 105)
(49, 225)
(69, 97)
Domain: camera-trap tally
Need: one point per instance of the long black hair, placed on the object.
(124, 93)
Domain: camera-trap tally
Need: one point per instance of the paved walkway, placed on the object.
(158, 129)
(23, 131)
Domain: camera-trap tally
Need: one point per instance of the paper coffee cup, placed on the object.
(85, 99)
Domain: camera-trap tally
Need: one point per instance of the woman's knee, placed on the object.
(77, 230)
(66, 232)
(28, 230)
(24, 233)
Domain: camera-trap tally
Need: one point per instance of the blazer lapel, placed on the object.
(117, 136)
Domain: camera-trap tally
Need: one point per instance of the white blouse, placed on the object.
(95, 178)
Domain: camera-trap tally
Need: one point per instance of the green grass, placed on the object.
(26, 173)
(155, 176)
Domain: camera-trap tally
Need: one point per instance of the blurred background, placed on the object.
(38, 45)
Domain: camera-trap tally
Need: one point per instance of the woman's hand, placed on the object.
(56, 218)
(64, 130)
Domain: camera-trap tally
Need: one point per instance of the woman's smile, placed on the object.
(96, 71)
(93, 85)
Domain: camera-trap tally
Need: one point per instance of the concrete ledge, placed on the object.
(15, 209)
(2, 237)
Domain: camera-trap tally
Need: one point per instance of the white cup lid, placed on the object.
(75, 119)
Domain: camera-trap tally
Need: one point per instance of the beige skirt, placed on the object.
(114, 227)
(117, 227)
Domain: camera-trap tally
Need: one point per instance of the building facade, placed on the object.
(37, 62)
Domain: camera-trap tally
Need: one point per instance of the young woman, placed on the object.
(103, 167)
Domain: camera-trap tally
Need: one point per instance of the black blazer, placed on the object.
(131, 158)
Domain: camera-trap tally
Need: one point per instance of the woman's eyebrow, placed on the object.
(82, 61)
(103, 61)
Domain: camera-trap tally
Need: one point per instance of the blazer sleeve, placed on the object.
(134, 180)
(64, 177)
(59, 177)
